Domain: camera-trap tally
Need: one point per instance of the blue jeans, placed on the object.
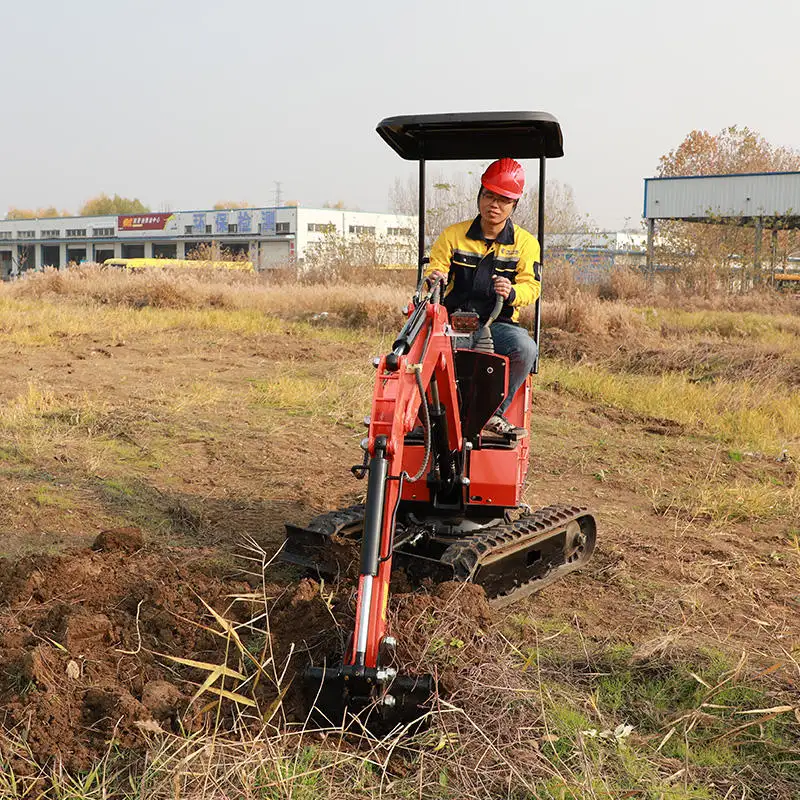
(516, 343)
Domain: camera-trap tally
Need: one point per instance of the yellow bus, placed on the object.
(787, 280)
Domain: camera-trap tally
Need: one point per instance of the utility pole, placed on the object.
(278, 193)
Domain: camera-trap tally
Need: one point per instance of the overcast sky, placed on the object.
(182, 104)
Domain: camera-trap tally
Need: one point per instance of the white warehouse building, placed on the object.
(269, 237)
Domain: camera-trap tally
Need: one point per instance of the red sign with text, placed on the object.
(143, 222)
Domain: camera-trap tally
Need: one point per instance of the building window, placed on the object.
(281, 227)
(103, 231)
(76, 233)
(321, 227)
(26, 234)
(233, 227)
(54, 234)
(188, 229)
(398, 231)
(5, 234)
(209, 229)
(360, 230)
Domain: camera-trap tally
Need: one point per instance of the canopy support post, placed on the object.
(537, 311)
(421, 212)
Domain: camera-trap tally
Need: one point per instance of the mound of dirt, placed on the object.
(89, 641)
(79, 638)
(128, 539)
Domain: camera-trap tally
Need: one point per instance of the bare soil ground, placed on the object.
(191, 445)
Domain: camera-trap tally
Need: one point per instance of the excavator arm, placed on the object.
(428, 528)
(416, 380)
(420, 382)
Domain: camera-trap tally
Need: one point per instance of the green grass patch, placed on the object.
(135, 502)
(51, 497)
(744, 415)
(771, 328)
(34, 323)
(737, 501)
(10, 454)
(562, 788)
(699, 711)
(343, 396)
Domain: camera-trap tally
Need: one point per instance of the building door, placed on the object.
(133, 251)
(51, 255)
(273, 254)
(76, 254)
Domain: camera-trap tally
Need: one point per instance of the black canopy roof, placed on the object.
(476, 135)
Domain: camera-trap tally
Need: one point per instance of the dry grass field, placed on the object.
(189, 417)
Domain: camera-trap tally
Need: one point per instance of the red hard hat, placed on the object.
(504, 177)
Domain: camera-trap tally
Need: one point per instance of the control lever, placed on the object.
(482, 340)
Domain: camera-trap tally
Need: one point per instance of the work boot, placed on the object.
(500, 426)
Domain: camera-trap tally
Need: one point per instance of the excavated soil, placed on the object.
(79, 633)
(85, 640)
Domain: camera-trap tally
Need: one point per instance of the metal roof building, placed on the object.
(762, 200)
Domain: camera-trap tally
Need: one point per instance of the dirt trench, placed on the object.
(89, 638)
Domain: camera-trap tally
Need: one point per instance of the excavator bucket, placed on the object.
(378, 700)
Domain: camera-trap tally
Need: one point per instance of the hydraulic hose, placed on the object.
(426, 426)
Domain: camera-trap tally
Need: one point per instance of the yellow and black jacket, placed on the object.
(462, 253)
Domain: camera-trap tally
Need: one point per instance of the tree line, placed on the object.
(98, 206)
(106, 205)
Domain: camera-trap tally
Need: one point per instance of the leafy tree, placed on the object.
(35, 213)
(338, 205)
(102, 205)
(710, 256)
(733, 150)
(224, 205)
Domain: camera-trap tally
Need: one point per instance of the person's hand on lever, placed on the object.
(435, 276)
(502, 286)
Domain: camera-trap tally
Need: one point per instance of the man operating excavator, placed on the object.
(445, 502)
(490, 256)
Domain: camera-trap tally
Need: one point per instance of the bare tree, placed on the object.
(451, 199)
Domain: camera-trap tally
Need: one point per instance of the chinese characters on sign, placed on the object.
(245, 221)
(221, 222)
(143, 222)
(268, 222)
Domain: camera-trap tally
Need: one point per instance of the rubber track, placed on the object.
(465, 554)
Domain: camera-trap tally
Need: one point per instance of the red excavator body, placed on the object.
(444, 499)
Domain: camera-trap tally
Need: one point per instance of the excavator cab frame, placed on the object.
(476, 136)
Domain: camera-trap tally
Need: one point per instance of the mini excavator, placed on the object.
(444, 499)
